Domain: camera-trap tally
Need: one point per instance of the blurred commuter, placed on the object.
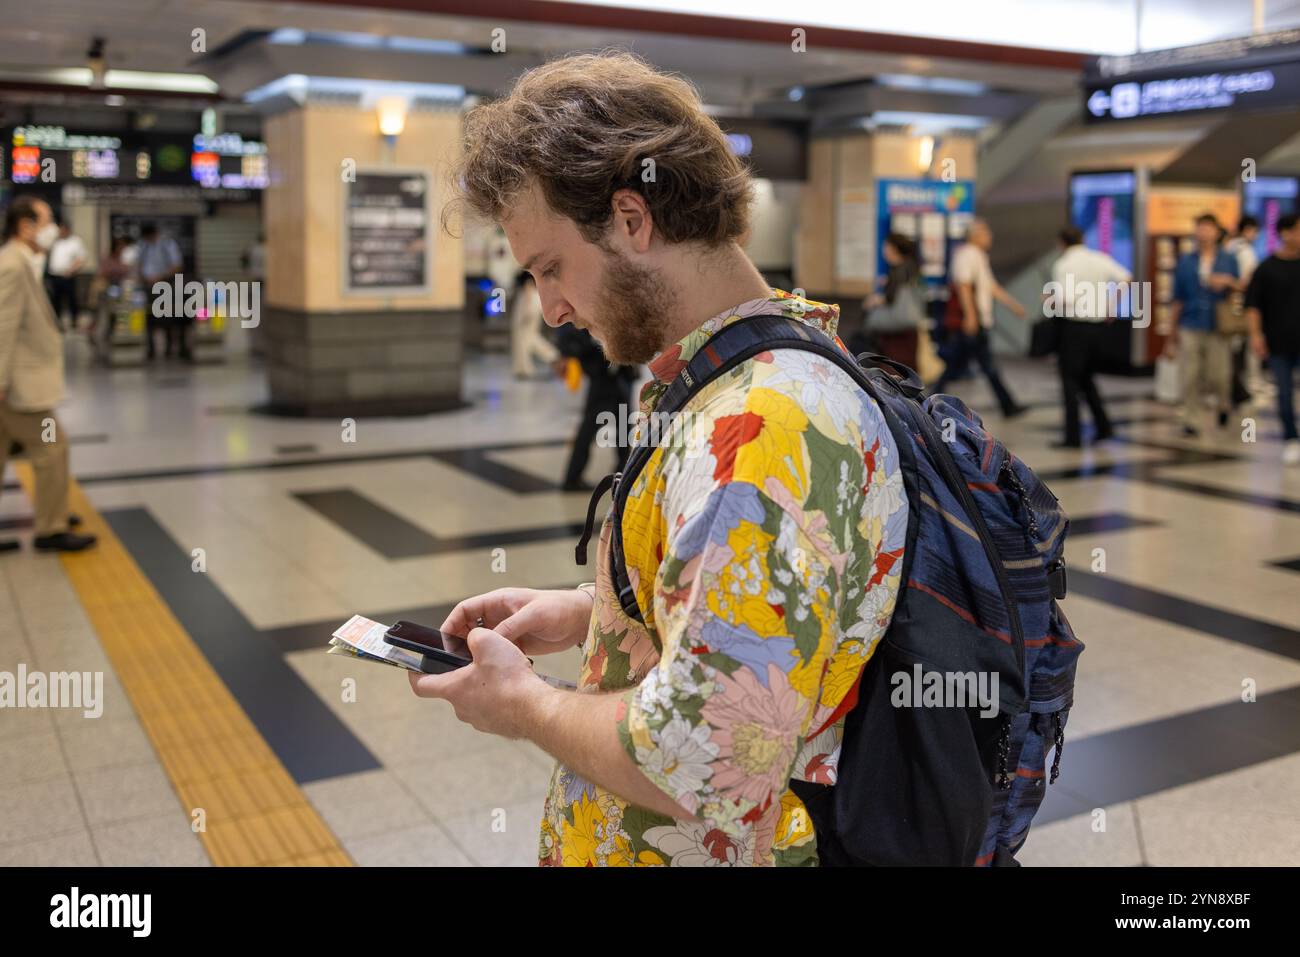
(896, 315)
(65, 260)
(502, 269)
(1242, 246)
(159, 260)
(254, 259)
(1245, 364)
(528, 344)
(1081, 344)
(609, 386)
(1273, 311)
(972, 277)
(114, 269)
(1203, 280)
(31, 375)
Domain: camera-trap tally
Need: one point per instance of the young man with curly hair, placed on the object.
(763, 538)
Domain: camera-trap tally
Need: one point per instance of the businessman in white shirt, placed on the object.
(67, 257)
(1089, 276)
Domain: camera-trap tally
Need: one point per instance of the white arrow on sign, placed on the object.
(1098, 103)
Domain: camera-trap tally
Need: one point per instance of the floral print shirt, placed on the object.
(764, 539)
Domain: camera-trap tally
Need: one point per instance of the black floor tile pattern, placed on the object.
(1100, 770)
(467, 459)
(1219, 622)
(1106, 769)
(392, 536)
(308, 738)
(1107, 522)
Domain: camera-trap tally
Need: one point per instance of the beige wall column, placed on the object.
(332, 352)
(837, 217)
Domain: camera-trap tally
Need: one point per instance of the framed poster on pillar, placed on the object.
(933, 213)
(387, 246)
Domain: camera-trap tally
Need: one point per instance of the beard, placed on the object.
(636, 306)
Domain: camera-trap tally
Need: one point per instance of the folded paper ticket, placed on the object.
(362, 638)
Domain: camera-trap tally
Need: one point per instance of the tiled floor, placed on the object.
(1194, 601)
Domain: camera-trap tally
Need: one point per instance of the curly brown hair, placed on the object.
(582, 127)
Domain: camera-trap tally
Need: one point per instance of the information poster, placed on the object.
(854, 250)
(386, 233)
(931, 212)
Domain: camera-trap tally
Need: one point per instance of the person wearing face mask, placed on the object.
(31, 374)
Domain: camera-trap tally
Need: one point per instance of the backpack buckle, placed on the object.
(1056, 578)
(899, 376)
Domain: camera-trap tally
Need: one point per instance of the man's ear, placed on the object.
(633, 221)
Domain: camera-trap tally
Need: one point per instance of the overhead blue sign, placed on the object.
(1262, 87)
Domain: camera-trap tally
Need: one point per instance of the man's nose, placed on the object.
(555, 311)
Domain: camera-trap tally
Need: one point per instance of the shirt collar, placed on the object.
(668, 363)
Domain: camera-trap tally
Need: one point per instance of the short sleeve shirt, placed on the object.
(970, 266)
(764, 539)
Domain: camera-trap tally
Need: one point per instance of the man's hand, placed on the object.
(497, 694)
(1017, 309)
(969, 325)
(1259, 345)
(538, 622)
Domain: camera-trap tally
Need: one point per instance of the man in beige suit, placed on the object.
(31, 373)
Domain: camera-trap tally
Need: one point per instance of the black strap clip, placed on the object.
(603, 486)
(1056, 578)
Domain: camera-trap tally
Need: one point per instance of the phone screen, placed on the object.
(431, 638)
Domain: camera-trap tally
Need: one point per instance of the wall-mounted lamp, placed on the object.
(925, 153)
(392, 115)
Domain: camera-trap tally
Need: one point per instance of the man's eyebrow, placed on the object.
(528, 266)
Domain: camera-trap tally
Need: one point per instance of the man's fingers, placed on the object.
(430, 686)
(490, 607)
(522, 623)
(523, 629)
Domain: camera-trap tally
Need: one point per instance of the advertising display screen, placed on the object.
(53, 154)
(1102, 205)
(1268, 199)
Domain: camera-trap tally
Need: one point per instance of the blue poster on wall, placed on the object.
(932, 213)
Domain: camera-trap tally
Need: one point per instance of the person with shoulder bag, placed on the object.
(896, 316)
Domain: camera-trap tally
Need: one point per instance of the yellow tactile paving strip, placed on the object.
(255, 812)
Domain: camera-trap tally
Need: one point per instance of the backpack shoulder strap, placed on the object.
(727, 349)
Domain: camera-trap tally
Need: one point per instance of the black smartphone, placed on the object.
(441, 653)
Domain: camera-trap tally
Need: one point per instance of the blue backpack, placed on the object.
(982, 572)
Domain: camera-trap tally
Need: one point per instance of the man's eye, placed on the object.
(550, 271)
